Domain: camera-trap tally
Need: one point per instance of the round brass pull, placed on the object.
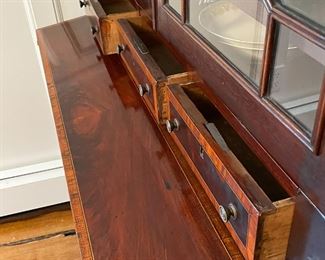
(172, 125)
(143, 89)
(94, 30)
(120, 48)
(83, 3)
(226, 213)
(201, 152)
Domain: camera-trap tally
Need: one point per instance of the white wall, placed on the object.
(47, 12)
(27, 128)
(43, 12)
(30, 163)
(71, 9)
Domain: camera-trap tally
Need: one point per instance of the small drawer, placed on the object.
(145, 88)
(104, 14)
(157, 61)
(95, 26)
(257, 211)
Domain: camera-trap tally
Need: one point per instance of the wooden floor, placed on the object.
(43, 234)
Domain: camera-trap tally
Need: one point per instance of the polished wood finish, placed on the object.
(105, 15)
(313, 33)
(75, 199)
(297, 161)
(267, 57)
(287, 146)
(255, 236)
(140, 79)
(319, 127)
(307, 232)
(206, 203)
(224, 82)
(208, 176)
(130, 197)
(214, 172)
(145, 50)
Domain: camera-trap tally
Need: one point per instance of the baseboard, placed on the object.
(31, 187)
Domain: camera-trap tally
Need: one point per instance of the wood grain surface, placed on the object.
(129, 197)
(107, 13)
(58, 247)
(226, 179)
(272, 135)
(285, 148)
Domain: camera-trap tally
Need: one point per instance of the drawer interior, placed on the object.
(238, 147)
(157, 48)
(117, 6)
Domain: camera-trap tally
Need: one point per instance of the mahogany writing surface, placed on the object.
(129, 197)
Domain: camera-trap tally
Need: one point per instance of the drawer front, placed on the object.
(216, 186)
(262, 225)
(138, 76)
(137, 34)
(107, 16)
(95, 28)
(156, 60)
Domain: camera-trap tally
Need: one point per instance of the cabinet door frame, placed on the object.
(277, 14)
(271, 134)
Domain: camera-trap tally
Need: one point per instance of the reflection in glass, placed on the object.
(297, 76)
(312, 9)
(236, 28)
(176, 5)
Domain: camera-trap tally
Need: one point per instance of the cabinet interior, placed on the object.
(238, 147)
(117, 6)
(162, 55)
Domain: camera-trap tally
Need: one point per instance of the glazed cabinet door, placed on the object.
(235, 29)
(296, 77)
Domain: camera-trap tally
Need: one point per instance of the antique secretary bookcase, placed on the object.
(236, 91)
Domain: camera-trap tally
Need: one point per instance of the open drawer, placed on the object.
(104, 14)
(255, 208)
(152, 64)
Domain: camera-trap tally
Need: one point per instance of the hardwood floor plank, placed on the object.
(43, 225)
(59, 247)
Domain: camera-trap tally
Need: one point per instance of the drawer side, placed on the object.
(275, 231)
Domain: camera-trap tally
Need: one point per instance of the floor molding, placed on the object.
(30, 169)
(31, 187)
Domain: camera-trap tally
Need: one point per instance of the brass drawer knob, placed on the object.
(143, 89)
(120, 48)
(83, 3)
(94, 30)
(172, 125)
(226, 213)
(201, 152)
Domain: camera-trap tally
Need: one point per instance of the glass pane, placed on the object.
(236, 28)
(312, 9)
(176, 5)
(297, 76)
